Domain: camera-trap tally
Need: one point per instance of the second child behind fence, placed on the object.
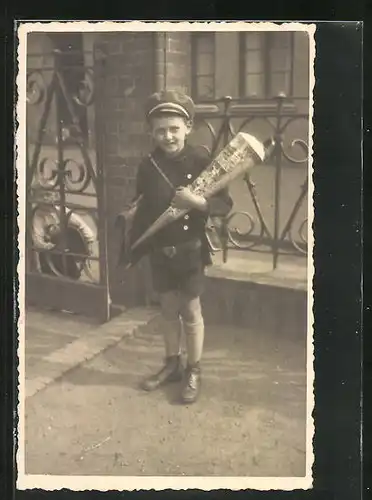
(179, 252)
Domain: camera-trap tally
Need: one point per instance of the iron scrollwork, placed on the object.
(35, 87)
(254, 230)
(85, 93)
(62, 205)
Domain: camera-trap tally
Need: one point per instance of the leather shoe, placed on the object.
(171, 372)
(192, 385)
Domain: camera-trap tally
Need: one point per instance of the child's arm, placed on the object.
(184, 199)
(218, 205)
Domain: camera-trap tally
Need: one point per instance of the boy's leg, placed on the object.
(193, 326)
(171, 326)
(170, 310)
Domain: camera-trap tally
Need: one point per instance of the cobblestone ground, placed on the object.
(249, 421)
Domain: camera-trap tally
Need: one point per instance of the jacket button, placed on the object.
(189, 176)
(185, 228)
(186, 216)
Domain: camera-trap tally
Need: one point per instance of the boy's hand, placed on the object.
(184, 199)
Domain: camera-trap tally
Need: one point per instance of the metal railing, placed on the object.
(272, 211)
(64, 174)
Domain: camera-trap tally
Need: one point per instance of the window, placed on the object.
(266, 64)
(203, 65)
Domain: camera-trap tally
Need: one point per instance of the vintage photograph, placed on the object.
(165, 231)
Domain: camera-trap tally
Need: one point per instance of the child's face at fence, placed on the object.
(169, 133)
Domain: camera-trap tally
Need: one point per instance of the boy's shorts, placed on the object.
(183, 272)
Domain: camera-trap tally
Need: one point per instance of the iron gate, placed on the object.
(66, 267)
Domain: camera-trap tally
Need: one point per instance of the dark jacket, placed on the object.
(154, 195)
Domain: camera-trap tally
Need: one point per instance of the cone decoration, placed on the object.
(242, 153)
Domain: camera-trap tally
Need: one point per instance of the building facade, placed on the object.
(254, 67)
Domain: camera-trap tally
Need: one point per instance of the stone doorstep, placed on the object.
(291, 273)
(264, 279)
(89, 346)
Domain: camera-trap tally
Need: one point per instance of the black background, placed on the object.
(338, 251)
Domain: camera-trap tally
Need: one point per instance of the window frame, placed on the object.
(194, 67)
(267, 70)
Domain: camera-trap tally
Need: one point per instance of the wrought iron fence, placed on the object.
(61, 170)
(65, 226)
(275, 219)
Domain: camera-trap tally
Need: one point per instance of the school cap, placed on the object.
(170, 101)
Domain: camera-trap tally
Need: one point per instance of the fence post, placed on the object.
(224, 233)
(99, 66)
(278, 177)
(61, 171)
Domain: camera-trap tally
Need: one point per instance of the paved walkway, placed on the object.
(57, 342)
(85, 414)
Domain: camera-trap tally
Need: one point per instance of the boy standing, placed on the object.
(179, 252)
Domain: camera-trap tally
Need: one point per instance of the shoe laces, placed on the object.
(192, 378)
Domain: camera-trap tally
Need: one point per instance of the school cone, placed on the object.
(242, 153)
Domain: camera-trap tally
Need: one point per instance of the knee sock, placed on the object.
(172, 337)
(171, 323)
(194, 336)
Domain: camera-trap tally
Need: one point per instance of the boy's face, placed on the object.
(169, 133)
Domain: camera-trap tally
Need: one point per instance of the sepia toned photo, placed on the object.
(164, 177)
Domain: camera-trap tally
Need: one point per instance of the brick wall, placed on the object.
(126, 68)
(173, 61)
(178, 61)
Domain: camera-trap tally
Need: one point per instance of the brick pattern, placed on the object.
(178, 58)
(173, 61)
(127, 79)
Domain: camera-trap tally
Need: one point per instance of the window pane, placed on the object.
(204, 42)
(253, 40)
(254, 85)
(254, 62)
(254, 65)
(205, 64)
(205, 87)
(280, 39)
(280, 83)
(281, 63)
(280, 60)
